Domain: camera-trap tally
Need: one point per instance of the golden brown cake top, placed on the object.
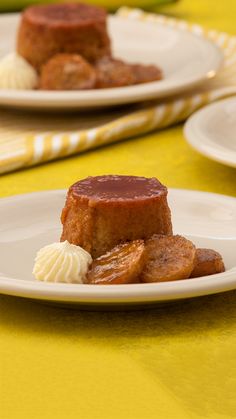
(60, 14)
(118, 188)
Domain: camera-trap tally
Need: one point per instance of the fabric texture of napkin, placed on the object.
(27, 139)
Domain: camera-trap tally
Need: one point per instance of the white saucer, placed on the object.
(212, 131)
(31, 221)
(186, 59)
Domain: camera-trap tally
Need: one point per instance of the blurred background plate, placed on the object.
(186, 59)
(212, 131)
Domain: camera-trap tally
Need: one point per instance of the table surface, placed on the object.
(175, 361)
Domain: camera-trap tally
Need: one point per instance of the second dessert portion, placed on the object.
(103, 211)
(69, 48)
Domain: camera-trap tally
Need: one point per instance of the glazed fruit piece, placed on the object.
(168, 258)
(67, 72)
(146, 73)
(113, 73)
(116, 73)
(121, 265)
(46, 30)
(207, 262)
(103, 211)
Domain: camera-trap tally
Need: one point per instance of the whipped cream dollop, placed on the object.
(62, 262)
(17, 73)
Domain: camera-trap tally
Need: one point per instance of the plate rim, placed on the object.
(123, 95)
(206, 146)
(117, 294)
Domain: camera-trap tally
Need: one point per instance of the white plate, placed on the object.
(186, 60)
(212, 131)
(31, 221)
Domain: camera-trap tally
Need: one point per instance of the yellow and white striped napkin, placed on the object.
(30, 139)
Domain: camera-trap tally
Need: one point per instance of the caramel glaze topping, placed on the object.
(118, 188)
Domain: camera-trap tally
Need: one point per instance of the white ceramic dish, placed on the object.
(186, 59)
(212, 131)
(30, 221)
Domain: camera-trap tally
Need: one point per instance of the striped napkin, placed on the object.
(29, 139)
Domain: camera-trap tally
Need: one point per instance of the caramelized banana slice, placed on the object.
(121, 265)
(168, 258)
(207, 262)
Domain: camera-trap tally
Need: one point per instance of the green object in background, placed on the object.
(11, 5)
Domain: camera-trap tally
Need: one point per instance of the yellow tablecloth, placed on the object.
(175, 361)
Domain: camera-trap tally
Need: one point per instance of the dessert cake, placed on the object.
(103, 211)
(46, 30)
